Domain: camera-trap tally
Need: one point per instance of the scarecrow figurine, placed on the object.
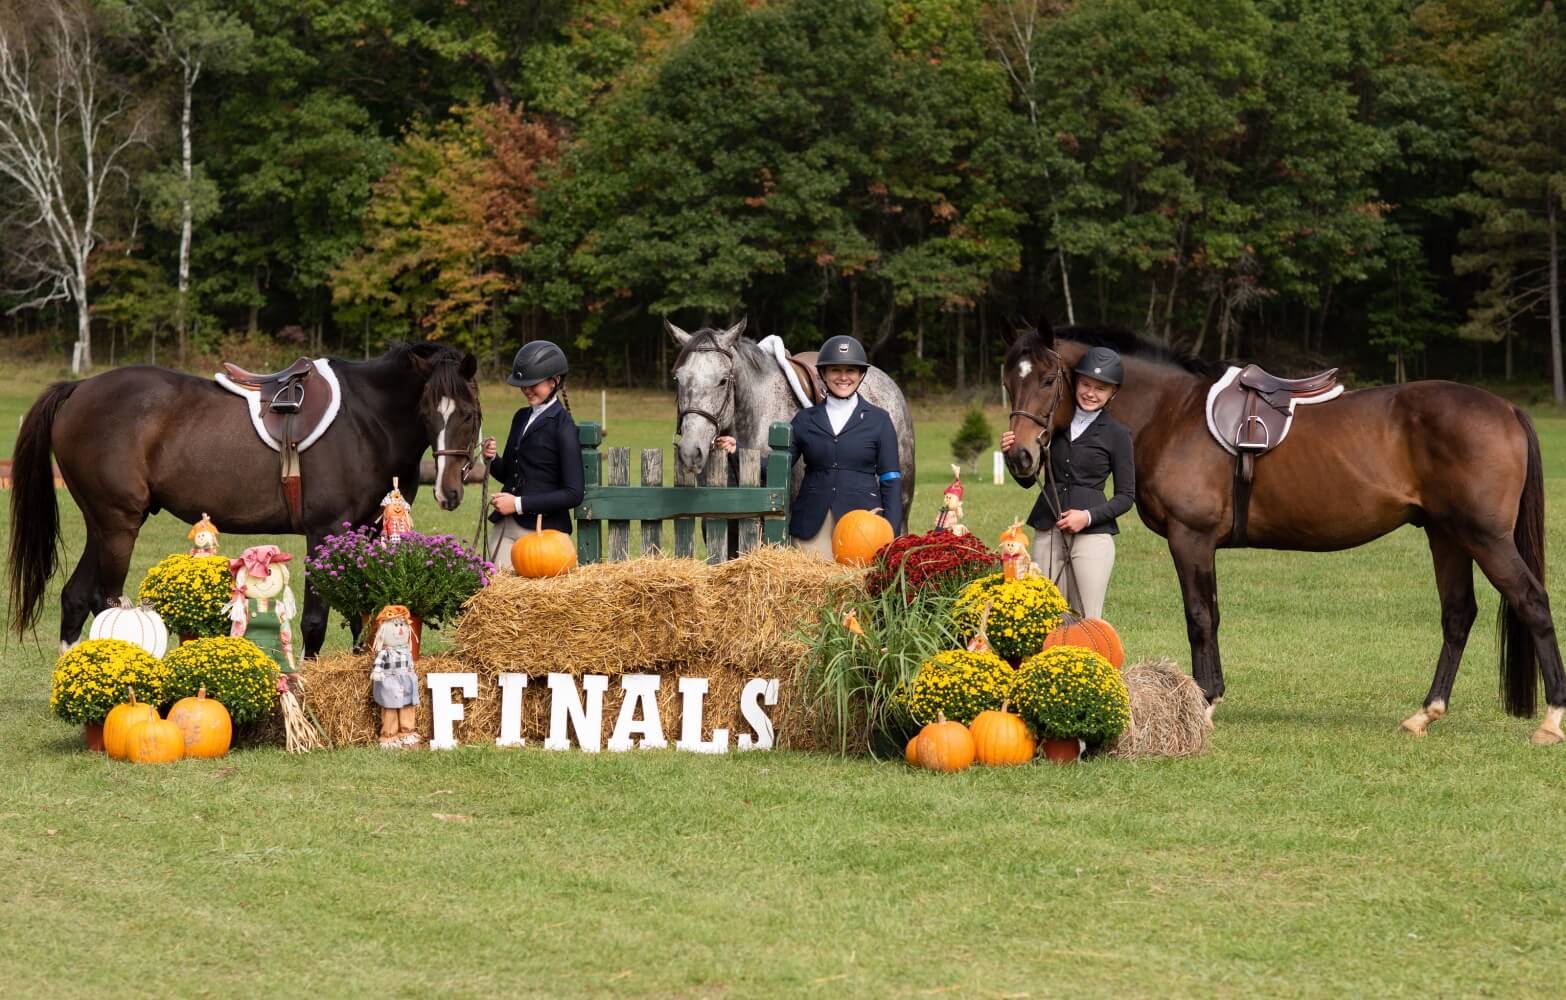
(263, 603)
(396, 520)
(203, 537)
(1015, 563)
(950, 516)
(393, 683)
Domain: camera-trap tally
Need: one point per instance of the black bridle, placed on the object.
(682, 411)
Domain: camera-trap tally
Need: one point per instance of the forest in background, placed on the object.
(1376, 183)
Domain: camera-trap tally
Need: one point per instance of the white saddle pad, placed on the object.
(254, 397)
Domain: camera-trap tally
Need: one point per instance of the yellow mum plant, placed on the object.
(188, 593)
(959, 684)
(234, 671)
(90, 678)
(1071, 692)
(1022, 612)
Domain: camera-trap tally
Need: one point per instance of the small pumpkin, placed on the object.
(1001, 738)
(911, 754)
(204, 725)
(543, 553)
(859, 535)
(139, 626)
(944, 746)
(117, 725)
(155, 741)
(1090, 633)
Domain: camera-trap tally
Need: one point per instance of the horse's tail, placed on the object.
(1519, 654)
(35, 513)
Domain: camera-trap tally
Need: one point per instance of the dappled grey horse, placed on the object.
(726, 384)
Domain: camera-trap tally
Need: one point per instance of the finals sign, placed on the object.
(639, 723)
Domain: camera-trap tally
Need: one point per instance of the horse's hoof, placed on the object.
(1207, 722)
(1546, 737)
(1415, 725)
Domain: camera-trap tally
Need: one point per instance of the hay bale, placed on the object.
(604, 618)
(1168, 713)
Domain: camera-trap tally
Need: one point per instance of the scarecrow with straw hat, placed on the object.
(394, 684)
(263, 604)
(203, 537)
(1015, 563)
(950, 516)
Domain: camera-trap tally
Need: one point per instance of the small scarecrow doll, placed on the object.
(393, 683)
(1015, 563)
(203, 537)
(396, 518)
(263, 603)
(950, 516)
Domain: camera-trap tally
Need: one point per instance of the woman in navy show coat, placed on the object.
(540, 470)
(850, 452)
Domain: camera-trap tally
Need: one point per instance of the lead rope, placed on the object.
(1052, 499)
(481, 533)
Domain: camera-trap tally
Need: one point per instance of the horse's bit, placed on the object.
(682, 412)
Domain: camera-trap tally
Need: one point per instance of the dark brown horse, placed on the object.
(1455, 460)
(134, 441)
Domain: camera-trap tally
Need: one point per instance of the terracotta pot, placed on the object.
(1062, 751)
(92, 732)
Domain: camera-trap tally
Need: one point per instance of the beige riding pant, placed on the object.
(501, 537)
(1092, 560)
(821, 544)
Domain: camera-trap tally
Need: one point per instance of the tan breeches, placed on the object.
(1092, 560)
(502, 537)
(821, 544)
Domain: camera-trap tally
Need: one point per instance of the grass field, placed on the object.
(1314, 852)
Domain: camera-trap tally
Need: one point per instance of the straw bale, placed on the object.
(337, 692)
(604, 618)
(756, 604)
(1168, 713)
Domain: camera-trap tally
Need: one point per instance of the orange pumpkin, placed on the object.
(944, 746)
(911, 754)
(204, 725)
(1091, 633)
(859, 535)
(1001, 738)
(156, 741)
(543, 553)
(117, 727)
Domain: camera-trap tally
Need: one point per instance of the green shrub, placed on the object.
(973, 437)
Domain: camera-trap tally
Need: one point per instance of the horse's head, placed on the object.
(1038, 383)
(704, 376)
(449, 408)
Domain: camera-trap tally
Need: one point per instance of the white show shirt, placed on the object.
(539, 410)
(839, 410)
(1082, 420)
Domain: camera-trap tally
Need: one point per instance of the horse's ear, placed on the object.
(1045, 331)
(681, 338)
(469, 366)
(729, 336)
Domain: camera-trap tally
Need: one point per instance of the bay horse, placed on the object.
(138, 440)
(725, 384)
(1453, 459)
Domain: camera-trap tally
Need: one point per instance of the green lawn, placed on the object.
(1314, 852)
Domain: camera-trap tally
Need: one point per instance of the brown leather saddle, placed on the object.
(290, 410)
(805, 367)
(1249, 412)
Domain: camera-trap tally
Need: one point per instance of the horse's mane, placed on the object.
(745, 349)
(445, 364)
(1123, 342)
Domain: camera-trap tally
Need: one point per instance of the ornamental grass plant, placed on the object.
(1022, 613)
(862, 653)
(1071, 692)
(957, 684)
(189, 592)
(91, 677)
(357, 573)
(233, 670)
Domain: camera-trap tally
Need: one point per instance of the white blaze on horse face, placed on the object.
(445, 408)
(1024, 368)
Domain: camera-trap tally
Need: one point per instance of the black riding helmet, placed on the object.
(536, 362)
(1103, 364)
(842, 350)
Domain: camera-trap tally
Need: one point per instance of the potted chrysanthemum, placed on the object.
(1021, 613)
(188, 593)
(1073, 698)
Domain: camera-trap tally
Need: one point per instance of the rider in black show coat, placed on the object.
(855, 468)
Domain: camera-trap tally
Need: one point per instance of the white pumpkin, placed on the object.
(140, 626)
